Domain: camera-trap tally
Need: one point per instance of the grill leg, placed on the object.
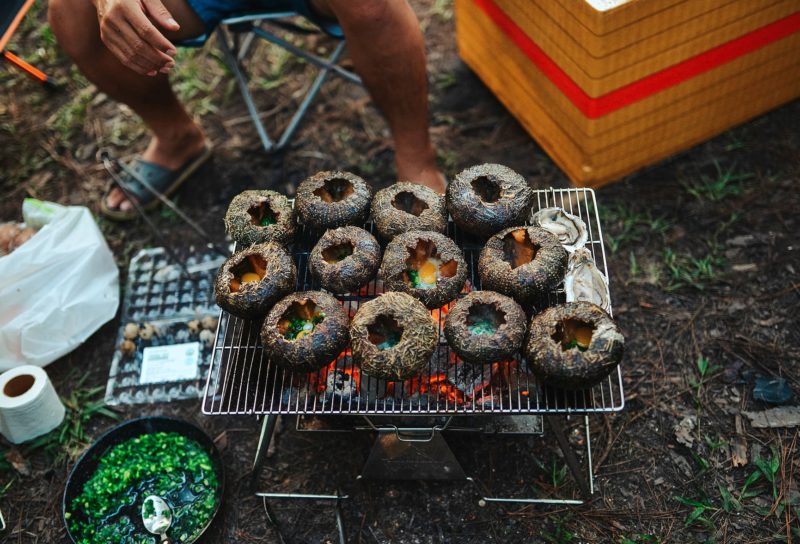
(340, 521)
(267, 430)
(586, 487)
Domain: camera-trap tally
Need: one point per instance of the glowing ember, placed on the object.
(343, 381)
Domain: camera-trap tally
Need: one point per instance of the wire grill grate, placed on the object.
(243, 380)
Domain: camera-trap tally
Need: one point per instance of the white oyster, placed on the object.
(570, 229)
(584, 281)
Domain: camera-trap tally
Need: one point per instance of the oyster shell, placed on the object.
(569, 229)
(584, 281)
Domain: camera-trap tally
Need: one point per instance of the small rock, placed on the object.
(742, 241)
(749, 267)
(681, 463)
(683, 431)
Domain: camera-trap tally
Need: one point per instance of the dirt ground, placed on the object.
(703, 263)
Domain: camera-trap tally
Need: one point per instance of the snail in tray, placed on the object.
(328, 200)
(427, 265)
(345, 259)
(525, 263)
(574, 345)
(255, 217)
(485, 326)
(305, 331)
(250, 281)
(408, 206)
(393, 336)
(487, 198)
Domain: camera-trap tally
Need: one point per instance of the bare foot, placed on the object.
(424, 172)
(170, 153)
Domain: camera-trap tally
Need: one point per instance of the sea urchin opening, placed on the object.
(385, 332)
(334, 190)
(300, 319)
(574, 333)
(262, 214)
(487, 188)
(251, 269)
(484, 319)
(337, 252)
(424, 266)
(406, 201)
(518, 249)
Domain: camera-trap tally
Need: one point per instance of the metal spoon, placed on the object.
(157, 517)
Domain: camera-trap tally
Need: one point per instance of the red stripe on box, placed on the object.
(647, 86)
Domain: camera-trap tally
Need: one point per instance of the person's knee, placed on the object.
(364, 13)
(75, 32)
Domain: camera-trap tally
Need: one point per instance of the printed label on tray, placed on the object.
(174, 363)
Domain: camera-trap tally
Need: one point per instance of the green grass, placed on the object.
(639, 538)
(685, 270)
(559, 535)
(66, 442)
(723, 184)
(625, 226)
(558, 474)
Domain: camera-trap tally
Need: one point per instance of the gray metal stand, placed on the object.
(233, 53)
(267, 431)
(420, 453)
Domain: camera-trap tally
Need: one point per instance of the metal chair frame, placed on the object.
(235, 49)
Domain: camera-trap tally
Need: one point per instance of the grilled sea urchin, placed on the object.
(573, 345)
(487, 198)
(427, 265)
(393, 336)
(522, 262)
(485, 326)
(251, 280)
(328, 200)
(408, 206)
(305, 331)
(344, 259)
(254, 217)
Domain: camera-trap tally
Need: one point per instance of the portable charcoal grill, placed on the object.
(503, 397)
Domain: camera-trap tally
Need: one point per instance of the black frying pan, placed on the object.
(87, 464)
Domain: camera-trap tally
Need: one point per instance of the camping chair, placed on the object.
(235, 37)
(11, 14)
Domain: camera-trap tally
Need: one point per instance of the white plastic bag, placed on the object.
(57, 288)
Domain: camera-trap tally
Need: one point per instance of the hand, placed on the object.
(127, 27)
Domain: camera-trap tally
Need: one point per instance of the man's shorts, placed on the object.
(211, 12)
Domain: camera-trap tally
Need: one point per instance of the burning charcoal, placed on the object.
(343, 382)
(471, 379)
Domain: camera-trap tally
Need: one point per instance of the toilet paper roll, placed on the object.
(29, 405)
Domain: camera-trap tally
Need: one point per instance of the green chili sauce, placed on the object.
(176, 468)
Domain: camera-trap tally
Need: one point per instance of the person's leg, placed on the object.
(387, 47)
(176, 137)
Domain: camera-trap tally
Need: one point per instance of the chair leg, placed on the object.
(310, 95)
(232, 62)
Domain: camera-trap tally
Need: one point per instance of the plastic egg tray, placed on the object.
(160, 294)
